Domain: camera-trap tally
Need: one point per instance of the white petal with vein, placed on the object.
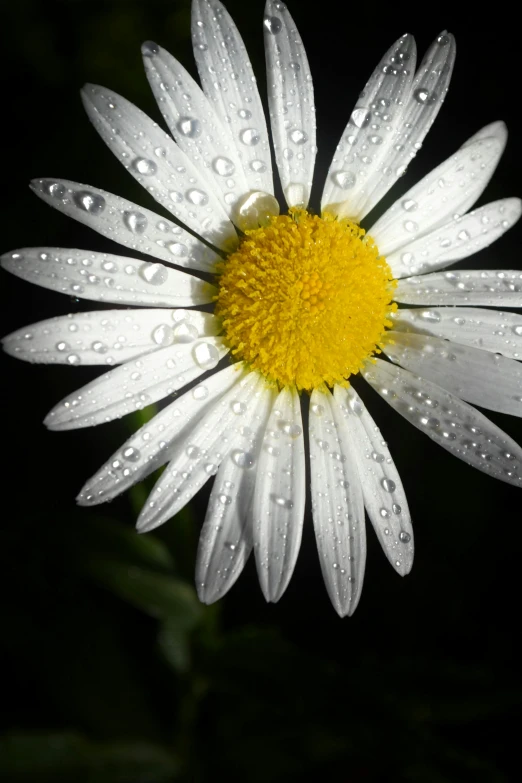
(367, 142)
(154, 444)
(491, 330)
(337, 504)
(126, 223)
(458, 239)
(384, 496)
(481, 377)
(107, 336)
(279, 498)
(450, 189)
(103, 277)
(206, 445)
(427, 96)
(136, 384)
(291, 103)
(158, 164)
(193, 122)
(229, 83)
(491, 287)
(226, 537)
(450, 422)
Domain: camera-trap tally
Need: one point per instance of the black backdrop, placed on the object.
(112, 670)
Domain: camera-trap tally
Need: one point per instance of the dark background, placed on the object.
(112, 670)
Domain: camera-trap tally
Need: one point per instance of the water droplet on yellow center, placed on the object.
(305, 299)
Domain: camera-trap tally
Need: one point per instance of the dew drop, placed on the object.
(163, 335)
(131, 454)
(345, 179)
(360, 117)
(73, 359)
(243, 459)
(54, 189)
(136, 222)
(238, 407)
(409, 205)
(223, 166)
(250, 137)
(272, 24)
(404, 537)
(185, 332)
(145, 167)
(388, 485)
(154, 274)
(197, 197)
(226, 500)
(189, 126)
(258, 166)
(89, 202)
(298, 137)
(206, 355)
(431, 316)
(200, 392)
(149, 49)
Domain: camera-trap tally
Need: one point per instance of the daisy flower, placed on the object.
(250, 313)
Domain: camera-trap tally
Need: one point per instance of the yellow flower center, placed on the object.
(305, 300)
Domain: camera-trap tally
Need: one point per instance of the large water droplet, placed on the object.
(258, 166)
(298, 137)
(388, 485)
(238, 407)
(250, 137)
(360, 117)
(243, 459)
(135, 221)
(197, 197)
(431, 316)
(404, 537)
(185, 332)
(145, 167)
(189, 127)
(149, 49)
(255, 210)
(90, 202)
(54, 189)
(223, 166)
(206, 355)
(282, 502)
(272, 24)
(163, 335)
(155, 274)
(131, 454)
(200, 392)
(345, 179)
(178, 249)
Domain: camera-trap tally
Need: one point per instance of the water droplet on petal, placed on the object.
(189, 127)
(223, 166)
(388, 485)
(345, 179)
(90, 202)
(243, 459)
(197, 197)
(272, 24)
(149, 49)
(155, 274)
(250, 137)
(131, 454)
(185, 332)
(163, 335)
(135, 221)
(404, 537)
(206, 355)
(145, 167)
(298, 137)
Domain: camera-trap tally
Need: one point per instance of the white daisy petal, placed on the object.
(107, 336)
(491, 330)
(458, 239)
(368, 139)
(447, 191)
(153, 444)
(136, 384)
(193, 122)
(279, 498)
(226, 537)
(384, 496)
(229, 83)
(497, 129)
(126, 223)
(158, 164)
(427, 96)
(206, 445)
(483, 378)
(451, 423)
(103, 277)
(291, 103)
(495, 287)
(337, 504)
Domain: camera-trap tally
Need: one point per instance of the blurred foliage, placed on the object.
(114, 673)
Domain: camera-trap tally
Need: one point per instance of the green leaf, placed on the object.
(107, 538)
(57, 757)
(159, 595)
(174, 644)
